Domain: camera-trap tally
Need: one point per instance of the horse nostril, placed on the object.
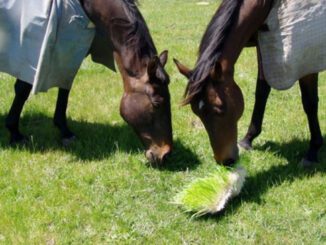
(158, 155)
(166, 156)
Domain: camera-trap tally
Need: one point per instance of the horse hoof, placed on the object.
(68, 141)
(245, 144)
(305, 163)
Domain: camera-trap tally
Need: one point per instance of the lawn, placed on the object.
(101, 190)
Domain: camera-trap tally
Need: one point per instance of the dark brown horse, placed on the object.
(215, 97)
(145, 104)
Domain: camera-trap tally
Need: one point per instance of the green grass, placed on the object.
(101, 191)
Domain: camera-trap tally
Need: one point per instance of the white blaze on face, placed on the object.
(201, 104)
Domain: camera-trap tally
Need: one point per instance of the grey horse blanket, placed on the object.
(44, 42)
(295, 44)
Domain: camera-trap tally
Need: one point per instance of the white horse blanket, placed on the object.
(295, 44)
(44, 42)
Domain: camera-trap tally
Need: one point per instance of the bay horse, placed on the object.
(215, 97)
(145, 104)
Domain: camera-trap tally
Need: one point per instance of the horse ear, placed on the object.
(182, 69)
(164, 57)
(152, 66)
(216, 72)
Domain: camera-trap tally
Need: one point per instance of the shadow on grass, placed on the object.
(95, 141)
(181, 159)
(259, 184)
(293, 152)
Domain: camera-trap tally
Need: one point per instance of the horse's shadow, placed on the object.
(260, 183)
(95, 141)
(293, 151)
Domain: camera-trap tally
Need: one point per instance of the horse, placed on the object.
(213, 93)
(145, 104)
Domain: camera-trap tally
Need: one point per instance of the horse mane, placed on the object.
(131, 4)
(139, 38)
(211, 47)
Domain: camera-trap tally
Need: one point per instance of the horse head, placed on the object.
(219, 104)
(145, 106)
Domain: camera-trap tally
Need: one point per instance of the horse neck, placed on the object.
(250, 19)
(127, 30)
(134, 74)
(132, 62)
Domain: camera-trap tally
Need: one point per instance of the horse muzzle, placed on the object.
(158, 155)
(230, 159)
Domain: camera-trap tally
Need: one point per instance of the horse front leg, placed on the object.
(22, 91)
(261, 95)
(309, 95)
(60, 118)
(254, 130)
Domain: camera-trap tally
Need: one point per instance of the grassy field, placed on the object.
(101, 190)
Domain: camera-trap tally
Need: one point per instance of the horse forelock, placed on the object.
(132, 2)
(211, 47)
(131, 6)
